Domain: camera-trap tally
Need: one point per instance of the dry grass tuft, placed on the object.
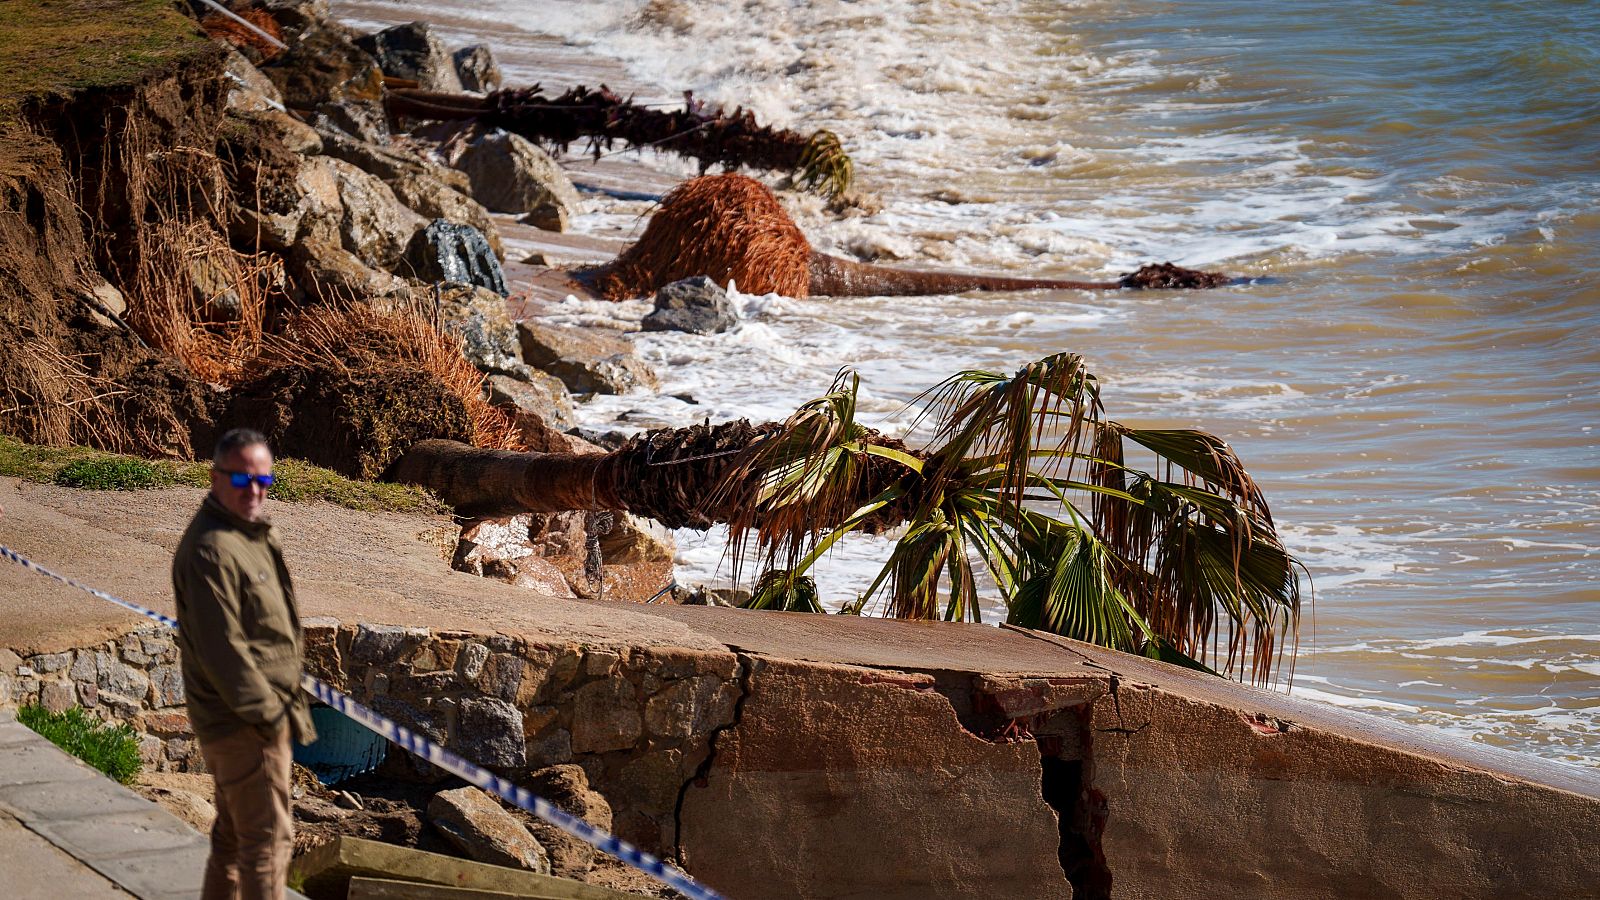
(360, 338)
(726, 227)
(199, 300)
(49, 397)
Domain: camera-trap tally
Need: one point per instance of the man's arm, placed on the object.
(217, 638)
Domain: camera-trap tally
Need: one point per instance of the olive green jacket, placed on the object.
(238, 627)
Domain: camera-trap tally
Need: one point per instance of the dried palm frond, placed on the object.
(1118, 557)
(227, 30)
(710, 135)
(726, 227)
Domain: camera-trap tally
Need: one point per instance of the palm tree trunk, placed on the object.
(832, 276)
(480, 483)
(675, 476)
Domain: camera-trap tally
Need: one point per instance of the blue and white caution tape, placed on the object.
(439, 756)
(27, 563)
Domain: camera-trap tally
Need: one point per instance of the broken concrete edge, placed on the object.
(331, 866)
(1077, 735)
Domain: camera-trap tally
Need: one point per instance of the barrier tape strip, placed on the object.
(439, 756)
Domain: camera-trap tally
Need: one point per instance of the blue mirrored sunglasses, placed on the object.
(243, 479)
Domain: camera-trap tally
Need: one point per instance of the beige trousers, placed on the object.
(250, 842)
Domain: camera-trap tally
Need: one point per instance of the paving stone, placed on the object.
(36, 868)
(105, 837)
(164, 875)
(54, 802)
(37, 761)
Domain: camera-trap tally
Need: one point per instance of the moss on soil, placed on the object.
(58, 47)
(296, 481)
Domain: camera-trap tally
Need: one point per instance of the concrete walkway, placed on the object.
(66, 830)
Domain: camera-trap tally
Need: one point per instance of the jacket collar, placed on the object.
(254, 529)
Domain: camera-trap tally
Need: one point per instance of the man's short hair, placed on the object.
(235, 440)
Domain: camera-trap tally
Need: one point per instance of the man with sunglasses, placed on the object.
(239, 632)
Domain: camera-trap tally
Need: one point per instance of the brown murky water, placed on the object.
(1414, 380)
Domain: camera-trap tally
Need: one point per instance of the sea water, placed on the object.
(1414, 379)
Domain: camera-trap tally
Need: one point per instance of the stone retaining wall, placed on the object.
(773, 776)
(133, 678)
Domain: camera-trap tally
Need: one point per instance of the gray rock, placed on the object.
(483, 830)
(585, 361)
(83, 667)
(549, 217)
(362, 120)
(635, 539)
(376, 226)
(509, 174)
(414, 52)
(385, 643)
(479, 317)
(429, 724)
(489, 732)
(470, 660)
(248, 89)
(45, 663)
(57, 696)
(8, 689)
(476, 68)
(605, 716)
(696, 305)
(117, 677)
(542, 394)
(294, 205)
(551, 748)
(166, 686)
(435, 199)
(447, 251)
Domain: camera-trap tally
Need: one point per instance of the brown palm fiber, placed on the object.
(727, 227)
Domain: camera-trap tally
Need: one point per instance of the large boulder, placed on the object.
(635, 539)
(414, 52)
(567, 788)
(586, 362)
(324, 66)
(476, 68)
(294, 135)
(511, 175)
(249, 89)
(540, 394)
(364, 120)
(324, 272)
(447, 251)
(432, 190)
(283, 204)
(376, 226)
(696, 305)
(489, 338)
(484, 831)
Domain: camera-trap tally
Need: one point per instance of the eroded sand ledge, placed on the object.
(824, 756)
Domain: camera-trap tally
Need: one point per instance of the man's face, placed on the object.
(245, 502)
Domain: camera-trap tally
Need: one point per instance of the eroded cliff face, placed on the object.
(101, 133)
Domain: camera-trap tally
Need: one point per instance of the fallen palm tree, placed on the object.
(710, 135)
(1071, 536)
(731, 228)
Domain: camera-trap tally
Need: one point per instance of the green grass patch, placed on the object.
(112, 475)
(113, 749)
(56, 47)
(295, 481)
